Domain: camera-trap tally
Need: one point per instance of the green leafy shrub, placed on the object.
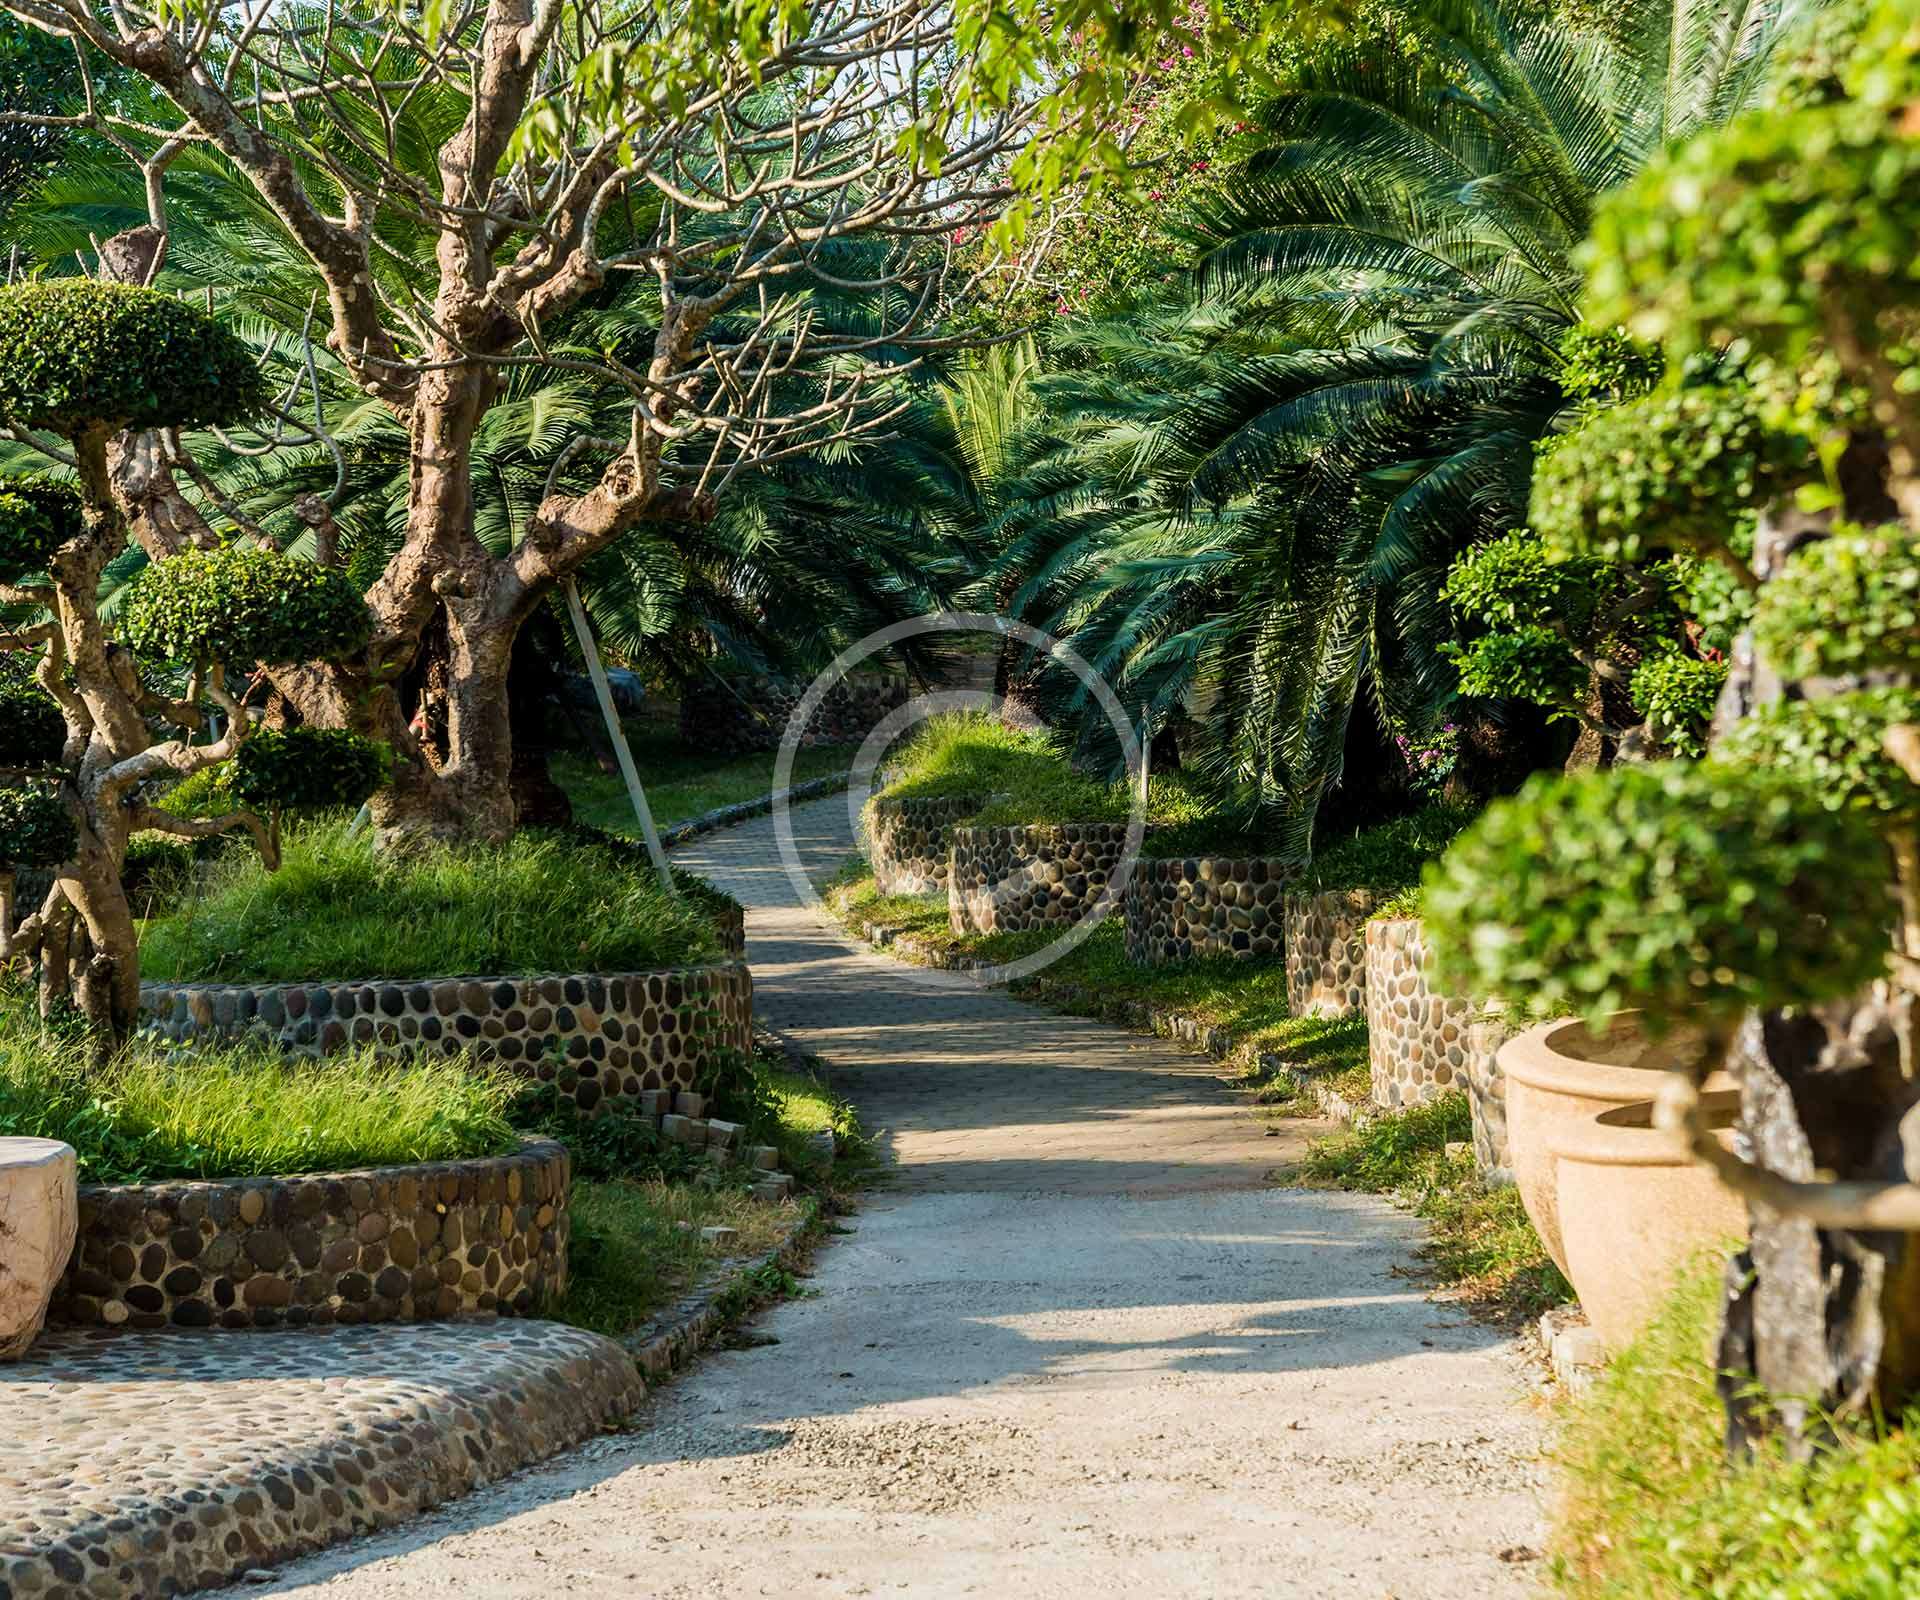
(539, 903)
(1608, 366)
(1757, 228)
(33, 733)
(1846, 604)
(1392, 855)
(37, 516)
(240, 1111)
(75, 353)
(606, 1144)
(36, 829)
(1673, 888)
(1528, 662)
(243, 604)
(1676, 470)
(1676, 694)
(1835, 746)
(307, 767)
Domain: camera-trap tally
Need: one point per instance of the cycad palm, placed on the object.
(1266, 477)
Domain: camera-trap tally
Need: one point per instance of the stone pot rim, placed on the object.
(1625, 1136)
(531, 1148)
(1542, 1057)
(30, 1150)
(604, 975)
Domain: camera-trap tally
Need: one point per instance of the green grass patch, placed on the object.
(1392, 855)
(636, 1244)
(1652, 1508)
(539, 903)
(681, 784)
(1482, 1246)
(234, 1112)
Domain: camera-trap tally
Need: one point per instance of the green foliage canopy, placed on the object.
(1836, 744)
(35, 828)
(37, 516)
(33, 733)
(243, 604)
(76, 354)
(1678, 889)
(306, 767)
(1847, 604)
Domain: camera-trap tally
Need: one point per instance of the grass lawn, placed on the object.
(235, 1111)
(680, 783)
(1482, 1247)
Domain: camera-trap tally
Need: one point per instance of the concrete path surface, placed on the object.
(1082, 1347)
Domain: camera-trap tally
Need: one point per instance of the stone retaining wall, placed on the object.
(1212, 905)
(909, 841)
(1487, 1094)
(603, 1038)
(390, 1244)
(1326, 951)
(1416, 1037)
(750, 714)
(1042, 875)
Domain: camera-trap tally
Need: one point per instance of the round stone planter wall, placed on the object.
(601, 1037)
(1416, 1038)
(909, 841)
(1210, 906)
(1487, 1093)
(1327, 951)
(1043, 875)
(390, 1244)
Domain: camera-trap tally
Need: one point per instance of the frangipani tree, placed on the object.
(1766, 902)
(462, 180)
(79, 752)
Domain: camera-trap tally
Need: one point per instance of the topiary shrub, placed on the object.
(33, 733)
(1679, 470)
(75, 354)
(1842, 605)
(37, 516)
(35, 828)
(1676, 889)
(1837, 746)
(1676, 694)
(306, 767)
(243, 604)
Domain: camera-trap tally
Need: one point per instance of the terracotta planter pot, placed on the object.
(1634, 1209)
(1560, 1075)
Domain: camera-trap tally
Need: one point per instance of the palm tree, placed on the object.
(1259, 481)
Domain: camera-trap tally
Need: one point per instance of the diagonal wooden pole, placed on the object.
(622, 751)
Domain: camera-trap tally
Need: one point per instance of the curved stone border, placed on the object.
(602, 1038)
(739, 715)
(388, 1244)
(909, 841)
(1327, 951)
(1206, 906)
(1416, 1037)
(745, 810)
(155, 1464)
(1040, 875)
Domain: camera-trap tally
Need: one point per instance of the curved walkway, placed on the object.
(1082, 1347)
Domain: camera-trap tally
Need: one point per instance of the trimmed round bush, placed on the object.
(242, 604)
(37, 516)
(33, 733)
(1678, 888)
(1843, 605)
(1676, 694)
(306, 767)
(1835, 745)
(74, 353)
(1680, 470)
(35, 828)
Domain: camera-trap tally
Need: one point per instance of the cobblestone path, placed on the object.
(1082, 1347)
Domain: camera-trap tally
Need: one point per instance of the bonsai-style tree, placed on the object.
(1764, 904)
(79, 752)
(460, 184)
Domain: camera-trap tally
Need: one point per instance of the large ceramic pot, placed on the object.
(1560, 1075)
(1635, 1208)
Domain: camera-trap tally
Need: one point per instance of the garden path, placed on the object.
(1082, 1346)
